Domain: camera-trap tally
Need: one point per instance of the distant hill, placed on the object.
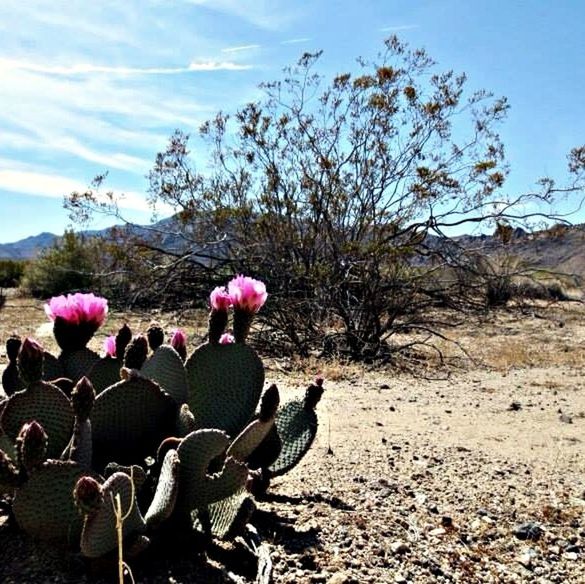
(28, 248)
(558, 249)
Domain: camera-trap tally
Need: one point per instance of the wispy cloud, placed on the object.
(56, 186)
(88, 68)
(398, 27)
(295, 41)
(240, 48)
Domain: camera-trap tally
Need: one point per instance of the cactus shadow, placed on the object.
(281, 531)
(331, 500)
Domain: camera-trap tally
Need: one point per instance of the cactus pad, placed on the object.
(44, 505)
(297, 428)
(165, 367)
(104, 373)
(167, 490)
(99, 528)
(78, 363)
(198, 489)
(46, 404)
(129, 420)
(225, 383)
(228, 516)
(52, 367)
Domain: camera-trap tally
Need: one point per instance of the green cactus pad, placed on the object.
(297, 428)
(46, 404)
(225, 383)
(11, 381)
(198, 489)
(166, 368)
(99, 528)
(44, 505)
(136, 472)
(78, 363)
(167, 490)
(249, 439)
(267, 452)
(52, 367)
(228, 516)
(104, 373)
(130, 419)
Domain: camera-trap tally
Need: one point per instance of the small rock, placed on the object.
(339, 578)
(446, 521)
(528, 531)
(400, 578)
(515, 406)
(399, 547)
(438, 532)
(566, 419)
(526, 558)
(571, 556)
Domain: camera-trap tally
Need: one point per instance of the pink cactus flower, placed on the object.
(220, 299)
(247, 294)
(178, 339)
(78, 309)
(226, 339)
(110, 346)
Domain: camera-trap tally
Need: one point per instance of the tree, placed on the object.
(68, 266)
(330, 191)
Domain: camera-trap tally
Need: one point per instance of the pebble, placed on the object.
(399, 547)
(528, 531)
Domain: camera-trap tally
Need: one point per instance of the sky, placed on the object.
(89, 87)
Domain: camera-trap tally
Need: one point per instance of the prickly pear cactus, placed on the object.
(99, 535)
(165, 367)
(225, 383)
(45, 403)
(43, 506)
(172, 436)
(129, 421)
(296, 424)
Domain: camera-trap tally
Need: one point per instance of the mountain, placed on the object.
(559, 249)
(27, 248)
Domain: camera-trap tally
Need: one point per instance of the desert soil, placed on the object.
(470, 472)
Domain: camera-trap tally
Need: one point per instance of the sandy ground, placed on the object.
(476, 476)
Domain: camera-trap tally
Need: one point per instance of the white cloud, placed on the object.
(43, 184)
(295, 41)
(88, 68)
(240, 48)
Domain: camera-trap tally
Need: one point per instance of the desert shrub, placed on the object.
(11, 272)
(69, 265)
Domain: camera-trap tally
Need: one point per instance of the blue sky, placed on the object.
(88, 87)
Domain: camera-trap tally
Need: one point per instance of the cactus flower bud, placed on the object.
(220, 299)
(248, 296)
(82, 398)
(110, 346)
(155, 335)
(123, 337)
(12, 347)
(30, 361)
(269, 404)
(76, 317)
(179, 342)
(88, 495)
(136, 352)
(226, 339)
(31, 446)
